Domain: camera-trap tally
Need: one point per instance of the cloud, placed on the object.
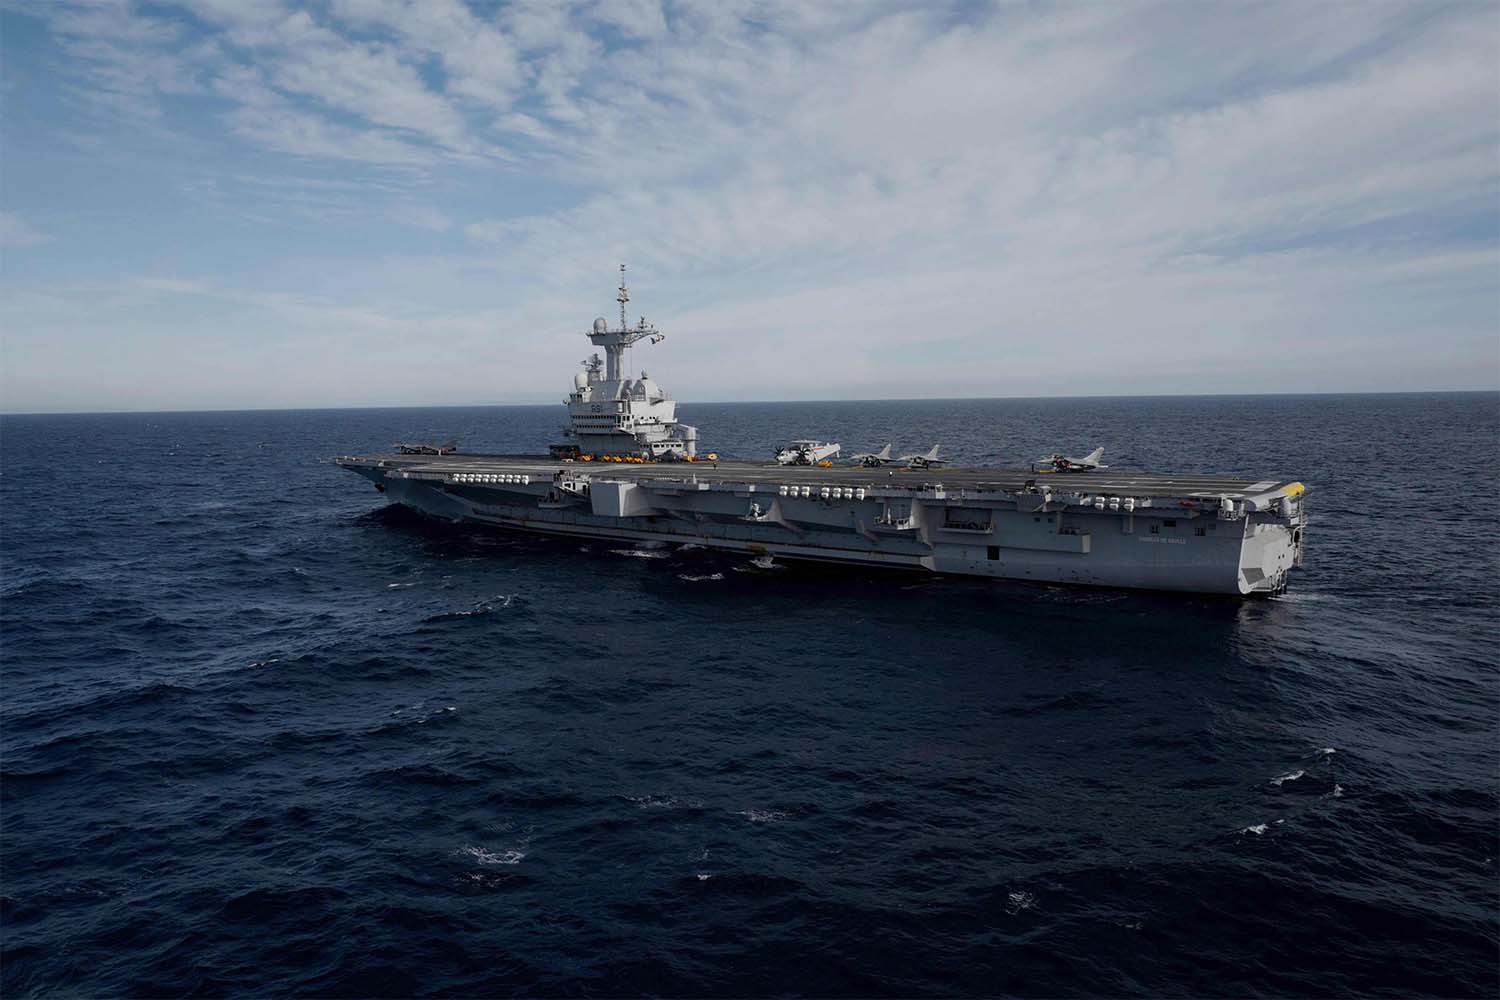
(16, 233)
(422, 217)
(122, 63)
(633, 19)
(954, 148)
(371, 82)
(480, 60)
(285, 129)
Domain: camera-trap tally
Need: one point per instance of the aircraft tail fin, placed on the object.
(884, 454)
(1093, 457)
(931, 456)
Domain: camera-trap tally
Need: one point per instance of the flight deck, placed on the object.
(730, 471)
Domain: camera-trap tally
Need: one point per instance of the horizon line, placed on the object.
(750, 402)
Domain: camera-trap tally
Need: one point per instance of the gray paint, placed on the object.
(1210, 534)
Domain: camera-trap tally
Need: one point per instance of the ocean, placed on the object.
(262, 734)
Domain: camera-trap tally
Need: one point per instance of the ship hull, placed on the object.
(988, 527)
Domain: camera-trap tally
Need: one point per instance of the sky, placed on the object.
(251, 203)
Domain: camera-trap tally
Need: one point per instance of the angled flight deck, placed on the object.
(1117, 481)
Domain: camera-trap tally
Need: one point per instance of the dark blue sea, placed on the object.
(263, 735)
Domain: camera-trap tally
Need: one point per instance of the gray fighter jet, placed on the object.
(873, 459)
(1062, 463)
(927, 461)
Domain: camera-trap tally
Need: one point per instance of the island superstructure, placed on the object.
(611, 414)
(629, 471)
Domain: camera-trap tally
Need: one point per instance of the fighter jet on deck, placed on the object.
(927, 461)
(1061, 463)
(406, 448)
(873, 459)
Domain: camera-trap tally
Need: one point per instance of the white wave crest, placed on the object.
(762, 815)
(434, 714)
(1015, 902)
(690, 578)
(1290, 776)
(484, 857)
(654, 801)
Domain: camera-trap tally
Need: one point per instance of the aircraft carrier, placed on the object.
(627, 470)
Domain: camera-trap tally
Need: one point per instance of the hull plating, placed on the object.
(1201, 554)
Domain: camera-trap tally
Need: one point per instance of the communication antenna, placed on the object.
(623, 297)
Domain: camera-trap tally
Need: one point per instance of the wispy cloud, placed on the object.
(480, 61)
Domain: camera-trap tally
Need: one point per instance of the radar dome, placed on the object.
(580, 380)
(601, 325)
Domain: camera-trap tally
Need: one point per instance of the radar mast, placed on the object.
(623, 297)
(615, 342)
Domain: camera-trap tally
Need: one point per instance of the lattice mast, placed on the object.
(615, 342)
